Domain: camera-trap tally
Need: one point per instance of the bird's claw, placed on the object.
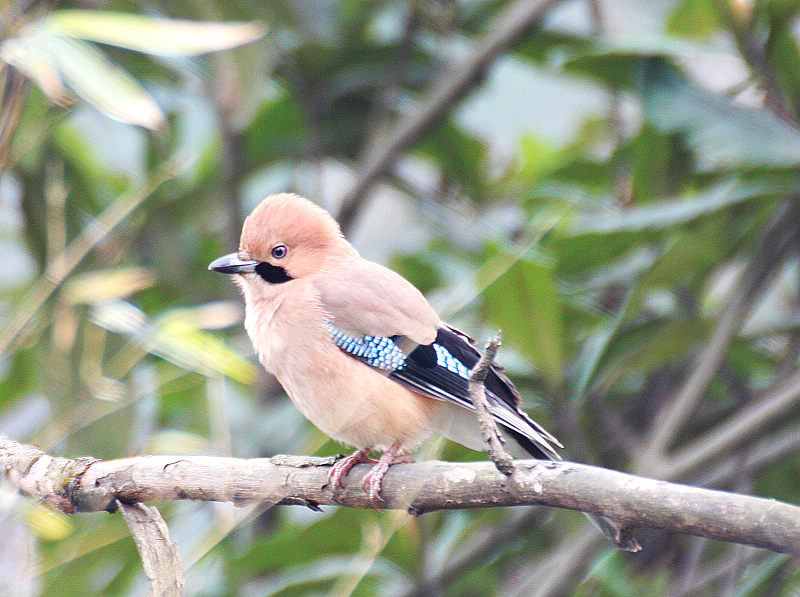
(343, 466)
(373, 480)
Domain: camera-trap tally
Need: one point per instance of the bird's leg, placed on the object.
(343, 466)
(373, 480)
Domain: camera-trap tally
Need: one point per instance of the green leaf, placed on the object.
(784, 59)
(610, 574)
(542, 46)
(47, 522)
(524, 303)
(780, 11)
(643, 347)
(419, 269)
(687, 255)
(338, 531)
(674, 212)
(757, 579)
(591, 352)
(615, 59)
(178, 341)
(461, 157)
(579, 251)
(161, 37)
(649, 44)
(723, 135)
(540, 158)
(693, 18)
(596, 237)
(660, 165)
(275, 131)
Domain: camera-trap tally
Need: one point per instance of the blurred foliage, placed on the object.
(607, 199)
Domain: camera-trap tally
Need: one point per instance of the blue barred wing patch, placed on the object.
(376, 351)
(429, 369)
(449, 362)
(441, 370)
(383, 352)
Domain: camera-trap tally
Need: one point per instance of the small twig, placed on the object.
(160, 557)
(754, 53)
(491, 434)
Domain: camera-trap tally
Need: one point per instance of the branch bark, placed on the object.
(86, 485)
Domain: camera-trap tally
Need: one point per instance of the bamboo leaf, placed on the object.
(176, 337)
(177, 341)
(104, 85)
(94, 287)
(160, 37)
(48, 523)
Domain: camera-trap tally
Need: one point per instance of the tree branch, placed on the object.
(776, 240)
(86, 485)
(517, 20)
(728, 434)
(15, 92)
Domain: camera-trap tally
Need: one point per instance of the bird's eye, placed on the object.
(279, 251)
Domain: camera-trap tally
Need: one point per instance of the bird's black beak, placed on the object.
(232, 264)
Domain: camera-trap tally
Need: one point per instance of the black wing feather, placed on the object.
(422, 373)
(441, 370)
(461, 347)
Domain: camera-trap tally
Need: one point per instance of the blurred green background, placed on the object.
(614, 185)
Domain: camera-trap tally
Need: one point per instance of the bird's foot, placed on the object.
(373, 480)
(343, 466)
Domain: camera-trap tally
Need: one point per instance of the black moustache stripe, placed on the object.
(273, 274)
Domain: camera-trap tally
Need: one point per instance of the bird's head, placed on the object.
(285, 237)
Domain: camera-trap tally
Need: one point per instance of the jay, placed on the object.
(358, 348)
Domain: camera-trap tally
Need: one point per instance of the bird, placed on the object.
(358, 348)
